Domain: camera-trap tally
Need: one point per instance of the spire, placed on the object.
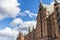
(40, 1)
(56, 5)
(20, 36)
(29, 29)
(20, 33)
(41, 6)
(55, 2)
(33, 28)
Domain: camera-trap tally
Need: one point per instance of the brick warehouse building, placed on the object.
(48, 24)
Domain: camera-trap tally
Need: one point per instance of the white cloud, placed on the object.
(28, 24)
(9, 8)
(21, 25)
(30, 14)
(8, 34)
(22, 14)
(16, 22)
(27, 12)
(24, 32)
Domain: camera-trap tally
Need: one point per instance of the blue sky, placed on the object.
(15, 15)
(31, 5)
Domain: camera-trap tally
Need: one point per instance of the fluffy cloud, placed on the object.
(21, 25)
(30, 14)
(8, 34)
(28, 24)
(9, 8)
(27, 12)
(16, 22)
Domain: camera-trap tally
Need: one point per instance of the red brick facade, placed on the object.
(47, 28)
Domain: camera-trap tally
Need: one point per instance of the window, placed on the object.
(40, 16)
(41, 31)
(58, 15)
(59, 22)
(40, 9)
(55, 4)
(59, 29)
(56, 9)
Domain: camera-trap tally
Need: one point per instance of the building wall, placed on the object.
(29, 36)
(50, 29)
(54, 24)
(47, 27)
(20, 36)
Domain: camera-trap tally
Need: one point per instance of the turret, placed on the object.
(56, 5)
(20, 36)
(33, 28)
(29, 29)
(41, 6)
